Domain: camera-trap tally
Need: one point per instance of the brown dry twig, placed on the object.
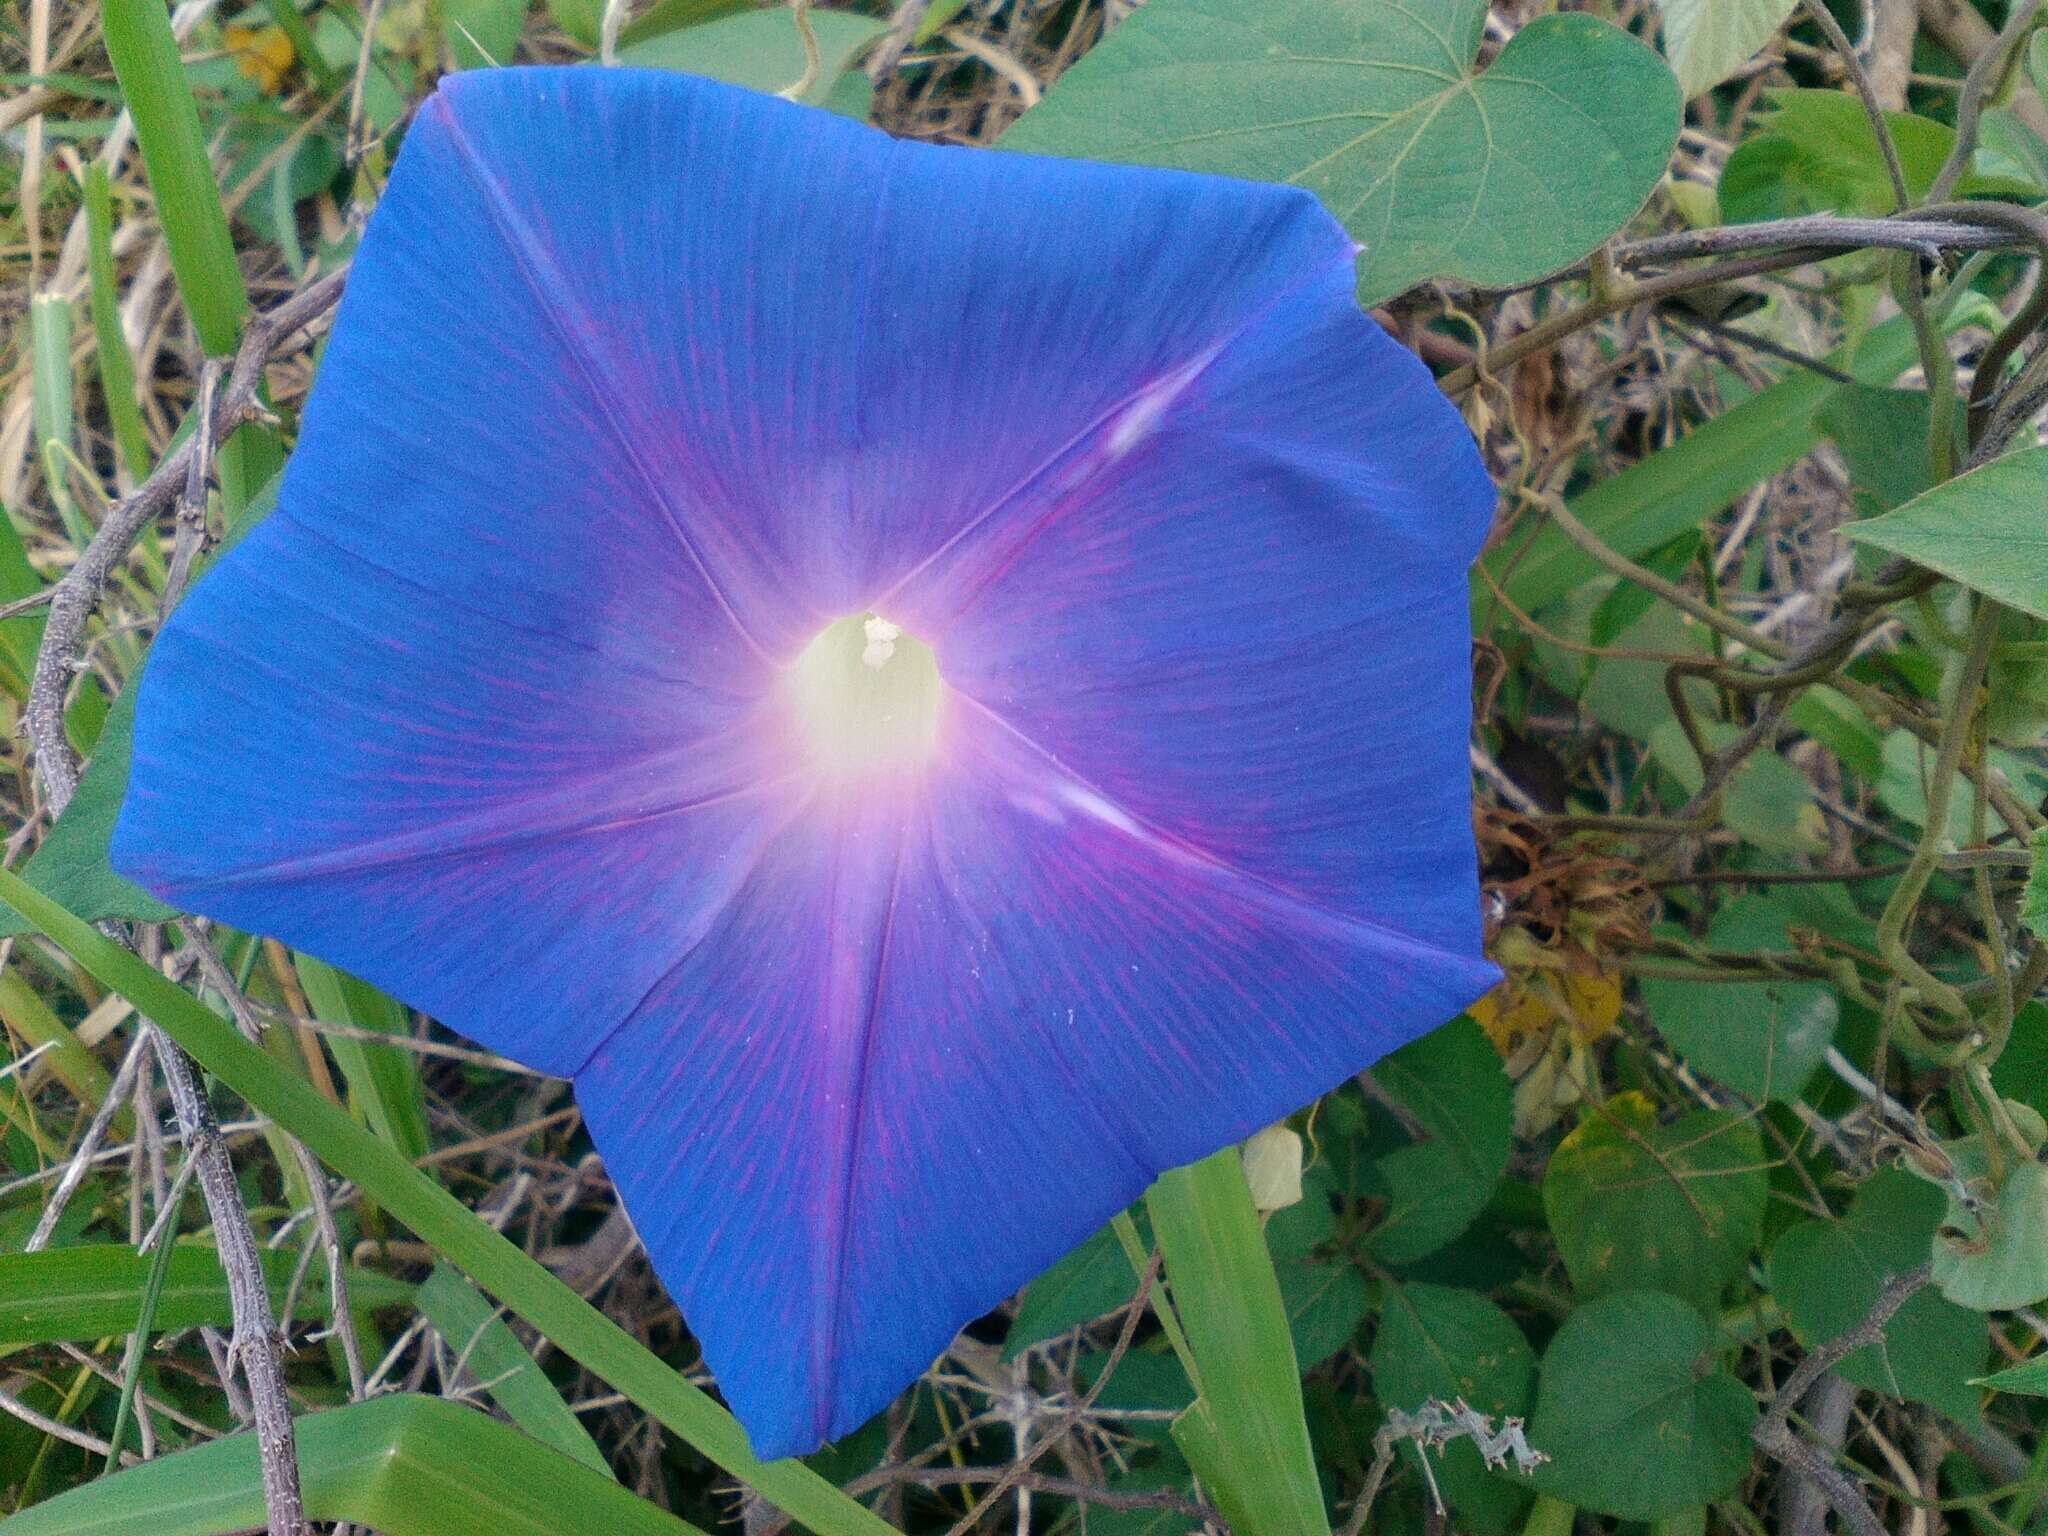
(257, 1343)
(72, 598)
(1773, 1433)
(1432, 1427)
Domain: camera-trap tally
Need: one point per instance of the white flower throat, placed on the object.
(866, 696)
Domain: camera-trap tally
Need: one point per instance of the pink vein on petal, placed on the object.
(1297, 905)
(1090, 452)
(567, 808)
(552, 290)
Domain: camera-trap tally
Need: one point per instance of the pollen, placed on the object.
(866, 697)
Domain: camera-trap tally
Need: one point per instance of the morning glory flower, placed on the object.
(933, 684)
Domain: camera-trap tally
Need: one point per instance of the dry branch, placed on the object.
(257, 1343)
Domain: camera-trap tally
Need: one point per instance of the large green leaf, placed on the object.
(1437, 170)
(1994, 1258)
(1983, 529)
(402, 1464)
(1245, 1435)
(1088, 1282)
(94, 1291)
(1325, 1291)
(2034, 900)
(443, 1222)
(2021, 1071)
(1451, 1083)
(1708, 40)
(1765, 1039)
(1766, 800)
(1907, 763)
(760, 49)
(1826, 1276)
(1677, 1208)
(1436, 1341)
(1814, 153)
(1636, 1415)
(1868, 425)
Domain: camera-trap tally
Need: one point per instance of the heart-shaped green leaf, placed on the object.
(1827, 1275)
(1435, 1341)
(1437, 168)
(1636, 1415)
(1765, 1039)
(1674, 1208)
(1994, 1258)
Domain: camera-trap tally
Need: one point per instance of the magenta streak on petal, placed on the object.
(1072, 476)
(1070, 467)
(554, 291)
(629, 797)
(1073, 791)
(853, 912)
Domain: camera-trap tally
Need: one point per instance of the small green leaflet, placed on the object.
(2029, 1379)
(1708, 40)
(763, 51)
(2034, 901)
(1983, 529)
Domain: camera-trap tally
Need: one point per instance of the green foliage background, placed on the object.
(1727, 1211)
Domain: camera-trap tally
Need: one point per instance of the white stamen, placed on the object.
(881, 637)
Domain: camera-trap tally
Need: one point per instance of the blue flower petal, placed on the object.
(946, 1033)
(639, 384)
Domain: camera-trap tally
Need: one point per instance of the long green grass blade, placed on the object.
(1679, 487)
(110, 344)
(75, 1067)
(145, 1321)
(384, 1081)
(444, 1223)
(405, 1465)
(1247, 1435)
(96, 1291)
(144, 53)
(50, 400)
(19, 637)
(202, 250)
(478, 1337)
(49, 329)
